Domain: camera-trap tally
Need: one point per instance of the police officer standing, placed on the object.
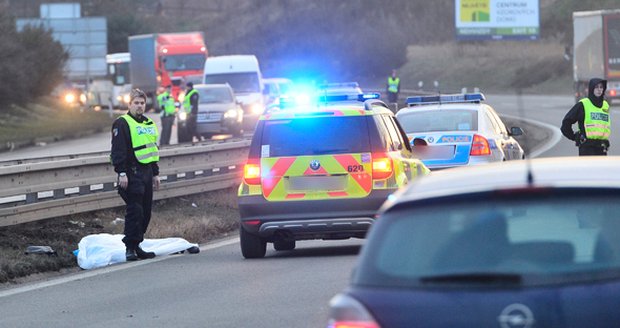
(593, 119)
(168, 111)
(393, 87)
(190, 104)
(135, 156)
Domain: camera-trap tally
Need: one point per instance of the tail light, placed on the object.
(382, 166)
(251, 172)
(346, 312)
(612, 93)
(480, 146)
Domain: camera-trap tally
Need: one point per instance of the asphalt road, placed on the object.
(218, 288)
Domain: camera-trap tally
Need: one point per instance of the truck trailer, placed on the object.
(596, 42)
(162, 59)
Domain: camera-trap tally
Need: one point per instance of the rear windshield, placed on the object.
(315, 136)
(547, 239)
(440, 120)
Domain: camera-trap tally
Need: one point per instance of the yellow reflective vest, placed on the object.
(186, 101)
(393, 84)
(143, 139)
(596, 121)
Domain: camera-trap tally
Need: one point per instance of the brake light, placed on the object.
(381, 166)
(251, 172)
(347, 312)
(480, 146)
(353, 324)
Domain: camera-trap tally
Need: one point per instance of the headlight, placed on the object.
(182, 116)
(126, 98)
(257, 109)
(83, 98)
(231, 113)
(69, 98)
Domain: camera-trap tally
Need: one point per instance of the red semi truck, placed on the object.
(164, 59)
(597, 50)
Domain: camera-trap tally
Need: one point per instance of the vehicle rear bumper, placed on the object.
(315, 219)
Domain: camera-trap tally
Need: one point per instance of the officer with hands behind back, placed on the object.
(135, 156)
(593, 119)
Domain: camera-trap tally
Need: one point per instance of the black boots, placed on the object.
(133, 254)
(144, 255)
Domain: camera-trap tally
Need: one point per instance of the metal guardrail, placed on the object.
(42, 188)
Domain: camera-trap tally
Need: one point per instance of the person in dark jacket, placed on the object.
(135, 156)
(592, 117)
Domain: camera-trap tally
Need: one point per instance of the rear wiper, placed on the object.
(475, 278)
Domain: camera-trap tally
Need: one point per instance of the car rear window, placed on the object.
(215, 95)
(440, 120)
(315, 136)
(546, 239)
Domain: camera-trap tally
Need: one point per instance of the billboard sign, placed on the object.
(497, 19)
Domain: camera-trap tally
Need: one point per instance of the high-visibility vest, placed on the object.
(168, 104)
(393, 84)
(143, 139)
(596, 121)
(186, 103)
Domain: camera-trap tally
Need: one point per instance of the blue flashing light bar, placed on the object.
(351, 85)
(441, 99)
(305, 100)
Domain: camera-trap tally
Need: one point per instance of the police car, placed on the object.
(320, 170)
(457, 130)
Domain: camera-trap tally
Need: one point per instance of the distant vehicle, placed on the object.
(457, 130)
(321, 170)
(596, 43)
(218, 111)
(243, 74)
(518, 244)
(275, 88)
(158, 60)
(114, 89)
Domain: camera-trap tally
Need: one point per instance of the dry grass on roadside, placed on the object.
(492, 66)
(213, 215)
(49, 121)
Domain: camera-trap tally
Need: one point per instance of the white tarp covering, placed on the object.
(104, 249)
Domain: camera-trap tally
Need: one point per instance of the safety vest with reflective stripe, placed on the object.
(393, 84)
(186, 101)
(143, 139)
(597, 121)
(167, 102)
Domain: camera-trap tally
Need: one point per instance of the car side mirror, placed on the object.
(516, 131)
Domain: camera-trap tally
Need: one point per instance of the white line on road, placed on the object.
(556, 135)
(113, 268)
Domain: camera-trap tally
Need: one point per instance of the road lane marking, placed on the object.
(108, 269)
(556, 135)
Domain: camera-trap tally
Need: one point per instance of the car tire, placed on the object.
(252, 246)
(284, 245)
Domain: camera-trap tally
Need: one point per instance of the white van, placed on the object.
(243, 74)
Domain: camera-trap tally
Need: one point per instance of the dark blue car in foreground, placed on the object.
(519, 244)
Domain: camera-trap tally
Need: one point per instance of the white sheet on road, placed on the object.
(104, 249)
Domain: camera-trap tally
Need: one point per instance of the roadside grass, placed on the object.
(47, 120)
(198, 218)
(538, 67)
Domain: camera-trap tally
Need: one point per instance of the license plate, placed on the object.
(207, 117)
(317, 183)
(433, 152)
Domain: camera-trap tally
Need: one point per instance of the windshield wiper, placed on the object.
(474, 278)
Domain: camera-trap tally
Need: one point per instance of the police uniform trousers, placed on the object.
(166, 129)
(593, 148)
(139, 199)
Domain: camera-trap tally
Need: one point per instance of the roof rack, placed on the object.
(442, 99)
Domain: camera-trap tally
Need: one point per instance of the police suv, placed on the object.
(320, 170)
